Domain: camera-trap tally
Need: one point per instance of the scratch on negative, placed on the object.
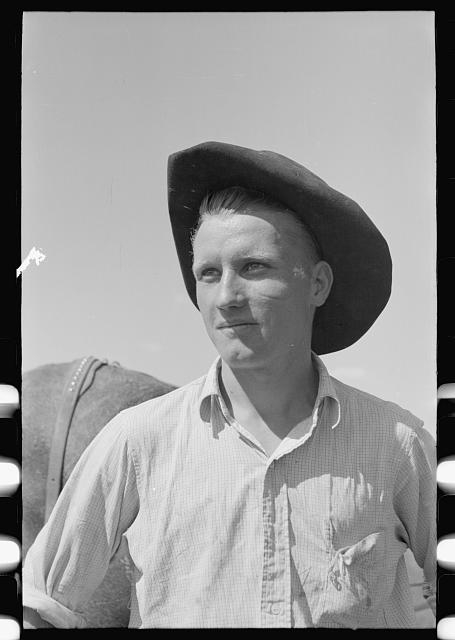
(34, 254)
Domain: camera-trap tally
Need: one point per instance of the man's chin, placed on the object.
(241, 358)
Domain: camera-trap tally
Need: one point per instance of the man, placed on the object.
(266, 493)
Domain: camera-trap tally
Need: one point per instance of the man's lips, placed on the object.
(231, 325)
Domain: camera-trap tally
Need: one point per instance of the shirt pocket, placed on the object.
(352, 586)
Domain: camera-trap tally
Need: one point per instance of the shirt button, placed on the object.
(276, 609)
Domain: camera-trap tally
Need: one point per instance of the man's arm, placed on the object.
(71, 554)
(32, 620)
(415, 504)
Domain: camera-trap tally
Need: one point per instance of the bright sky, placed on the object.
(108, 96)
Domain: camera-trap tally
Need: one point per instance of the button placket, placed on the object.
(286, 550)
(276, 563)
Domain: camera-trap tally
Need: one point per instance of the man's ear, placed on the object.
(322, 280)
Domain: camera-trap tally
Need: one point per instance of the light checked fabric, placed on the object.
(221, 535)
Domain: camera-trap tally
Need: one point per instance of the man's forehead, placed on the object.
(242, 235)
(259, 217)
(242, 229)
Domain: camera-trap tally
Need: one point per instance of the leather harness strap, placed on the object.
(80, 378)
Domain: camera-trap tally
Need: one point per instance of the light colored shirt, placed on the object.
(221, 535)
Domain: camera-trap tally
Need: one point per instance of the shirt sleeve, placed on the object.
(71, 554)
(415, 505)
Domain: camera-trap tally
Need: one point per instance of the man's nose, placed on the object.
(230, 291)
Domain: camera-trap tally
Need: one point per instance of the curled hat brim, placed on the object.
(350, 242)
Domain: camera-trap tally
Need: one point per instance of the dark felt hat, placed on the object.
(350, 242)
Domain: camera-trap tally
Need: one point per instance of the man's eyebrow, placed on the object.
(202, 261)
(259, 256)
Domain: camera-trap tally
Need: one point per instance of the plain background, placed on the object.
(108, 96)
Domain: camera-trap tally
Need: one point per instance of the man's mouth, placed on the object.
(232, 325)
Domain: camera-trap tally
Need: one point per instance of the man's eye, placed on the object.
(254, 266)
(208, 274)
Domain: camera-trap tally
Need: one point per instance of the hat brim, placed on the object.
(355, 249)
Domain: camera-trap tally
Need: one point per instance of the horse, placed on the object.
(64, 406)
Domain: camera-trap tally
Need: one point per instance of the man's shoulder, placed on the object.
(162, 413)
(371, 409)
(167, 403)
(388, 420)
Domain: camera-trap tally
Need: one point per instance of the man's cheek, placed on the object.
(276, 292)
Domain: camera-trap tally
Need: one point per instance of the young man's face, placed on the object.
(255, 296)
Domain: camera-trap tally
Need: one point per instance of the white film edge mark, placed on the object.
(9, 400)
(34, 254)
(10, 554)
(446, 474)
(9, 628)
(446, 628)
(445, 552)
(446, 391)
(10, 476)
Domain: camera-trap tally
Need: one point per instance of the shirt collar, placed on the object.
(326, 389)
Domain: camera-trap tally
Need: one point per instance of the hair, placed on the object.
(238, 199)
